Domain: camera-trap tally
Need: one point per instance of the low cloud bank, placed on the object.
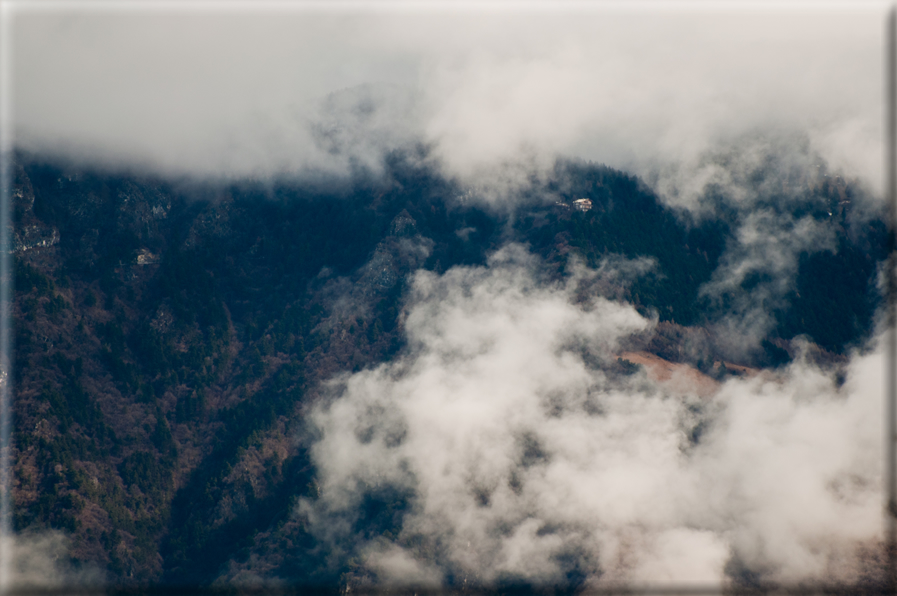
(495, 93)
(508, 445)
(41, 561)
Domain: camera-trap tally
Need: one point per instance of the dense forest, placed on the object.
(170, 334)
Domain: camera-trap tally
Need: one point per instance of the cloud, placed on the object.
(757, 271)
(40, 560)
(521, 454)
(202, 93)
(494, 91)
(780, 201)
(800, 462)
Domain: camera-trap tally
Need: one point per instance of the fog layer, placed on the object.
(493, 91)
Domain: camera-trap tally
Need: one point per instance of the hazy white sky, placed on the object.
(239, 90)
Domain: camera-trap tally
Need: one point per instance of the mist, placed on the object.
(495, 93)
(522, 454)
(40, 560)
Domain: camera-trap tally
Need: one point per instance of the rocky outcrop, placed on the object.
(33, 236)
(29, 232)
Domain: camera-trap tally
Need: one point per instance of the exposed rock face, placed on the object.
(145, 257)
(28, 231)
(32, 236)
(22, 192)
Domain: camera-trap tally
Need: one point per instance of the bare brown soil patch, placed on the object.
(680, 378)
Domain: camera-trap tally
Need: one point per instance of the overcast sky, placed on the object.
(235, 90)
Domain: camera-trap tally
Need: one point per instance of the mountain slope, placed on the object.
(170, 336)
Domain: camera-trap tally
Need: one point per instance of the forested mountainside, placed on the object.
(170, 335)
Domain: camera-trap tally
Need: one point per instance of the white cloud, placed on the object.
(40, 560)
(645, 88)
(526, 462)
(764, 251)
